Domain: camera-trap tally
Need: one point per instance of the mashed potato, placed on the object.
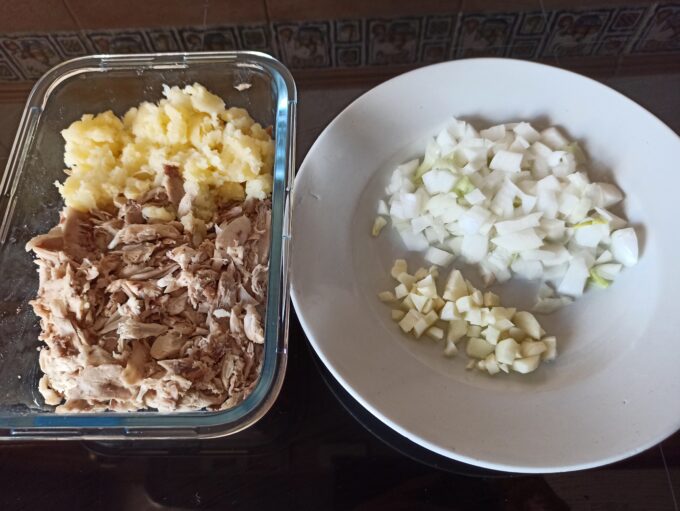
(221, 152)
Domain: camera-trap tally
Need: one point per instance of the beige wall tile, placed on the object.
(34, 16)
(111, 14)
(296, 10)
(222, 12)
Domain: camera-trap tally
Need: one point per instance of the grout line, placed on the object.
(267, 14)
(80, 30)
(635, 37)
(273, 39)
(74, 18)
(458, 20)
(269, 29)
(668, 477)
(204, 25)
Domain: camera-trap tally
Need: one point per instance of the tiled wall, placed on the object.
(311, 36)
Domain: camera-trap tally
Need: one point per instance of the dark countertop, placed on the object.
(316, 449)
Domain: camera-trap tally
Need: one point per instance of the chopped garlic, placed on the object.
(500, 338)
(525, 365)
(401, 291)
(530, 348)
(398, 268)
(450, 350)
(506, 351)
(378, 225)
(435, 333)
(387, 296)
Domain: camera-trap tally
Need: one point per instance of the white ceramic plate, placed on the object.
(615, 387)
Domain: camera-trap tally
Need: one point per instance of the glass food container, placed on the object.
(30, 204)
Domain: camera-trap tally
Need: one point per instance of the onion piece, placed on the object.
(518, 241)
(624, 246)
(575, 278)
(519, 224)
(511, 200)
(439, 257)
(506, 161)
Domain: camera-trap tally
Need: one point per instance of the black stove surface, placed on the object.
(317, 448)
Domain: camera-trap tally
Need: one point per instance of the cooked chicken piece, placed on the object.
(51, 397)
(99, 383)
(131, 212)
(137, 254)
(196, 227)
(187, 257)
(141, 272)
(78, 232)
(134, 370)
(135, 289)
(167, 345)
(252, 324)
(232, 371)
(48, 246)
(162, 315)
(137, 233)
(233, 233)
(131, 329)
(262, 226)
(258, 282)
(174, 186)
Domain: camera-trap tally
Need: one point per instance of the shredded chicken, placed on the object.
(140, 315)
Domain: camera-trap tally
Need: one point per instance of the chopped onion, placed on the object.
(518, 241)
(514, 201)
(475, 197)
(610, 194)
(624, 246)
(474, 247)
(553, 138)
(575, 278)
(506, 161)
(415, 242)
(438, 181)
(472, 220)
(525, 222)
(608, 271)
(439, 257)
(526, 131)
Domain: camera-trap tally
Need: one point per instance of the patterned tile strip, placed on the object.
(661, 34)
(646, 29)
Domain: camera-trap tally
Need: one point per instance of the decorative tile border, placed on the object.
(255, 37)
(304, 45)
(348, 43)
(32, 54)
(191, 39)
(483, 35)
(393, 42)
(8, 73)
(645, 29)
(164, 40)
(662, 32)
(439, 32)
(71, 44)
(576, 33)
(128, 41)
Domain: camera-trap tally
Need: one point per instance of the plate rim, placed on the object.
(452, 454)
